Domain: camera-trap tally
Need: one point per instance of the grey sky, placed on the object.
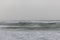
(30, 9)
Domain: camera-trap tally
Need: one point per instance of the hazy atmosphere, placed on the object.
(29, 9)
(29, 20)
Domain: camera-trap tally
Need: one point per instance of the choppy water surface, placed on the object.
(13, 34)
(8, 32)
(29, 34)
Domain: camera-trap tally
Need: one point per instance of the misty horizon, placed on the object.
(29, 10)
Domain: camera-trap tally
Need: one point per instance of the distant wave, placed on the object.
(27, 24)
(30, 26)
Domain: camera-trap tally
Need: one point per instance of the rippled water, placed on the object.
(29, 35)
(13, 34)
(8, 32)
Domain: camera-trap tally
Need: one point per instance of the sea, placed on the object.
(23, 34)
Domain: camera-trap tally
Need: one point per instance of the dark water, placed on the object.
(6, 34)
(41, 31)
(28, 33)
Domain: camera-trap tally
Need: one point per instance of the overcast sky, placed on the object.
(30, 9)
